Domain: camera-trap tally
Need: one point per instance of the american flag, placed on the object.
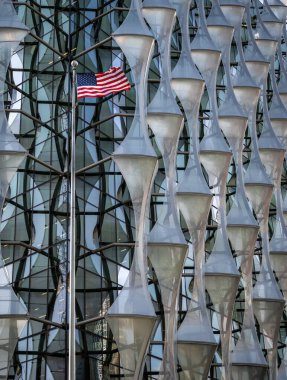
(102, 84)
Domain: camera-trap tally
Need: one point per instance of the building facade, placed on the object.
(181, 240)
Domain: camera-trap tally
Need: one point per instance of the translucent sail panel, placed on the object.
(138, 172)
(132, 317)
(205, 56)
(245, 89)
(192, 195)
(279, 9)
(167, 251)
(258, 187)
(222, 288)
(242, 227)
(166, 128)
(265, 42)
(188, 90)
(221, 282)
(167, 228)
(279, 127)
(132, 320)
(247, 358)
(272, 159)
(232, 120)
(160, 15)
(234, 128)
(163, 103)
(256, 63)
(134, 23)
(189, 192)
(186, 80)
(278, 118)
(220, 270)
(167, 261)
(185, 69)
(165, 120)
(137, 43)
(10, 330)
(133, 303)
(278, 255)
(220, 259)
(271, 22)
(132, 334)
(195, 342)
(196, 325)
(195, 360)
(136, 141)
(188, 85)
(215, 155)
(268, 305)
(278, 242)
(271, 152)
(220, 30)
(195, 208)
(268, 314)
(266, 46)
(11, 28)
(242, 238)
(257, 68)
(247, 372)
(195, 335)
(166, 241)
(266, 285)
(204, 53)
(136, 48)
(233, 11)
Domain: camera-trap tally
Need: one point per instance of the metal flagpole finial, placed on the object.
(74, 64)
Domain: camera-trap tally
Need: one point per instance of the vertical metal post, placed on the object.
(72, 242)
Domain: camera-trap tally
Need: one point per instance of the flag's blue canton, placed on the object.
(86, 80)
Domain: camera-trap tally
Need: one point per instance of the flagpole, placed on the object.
(72, 241)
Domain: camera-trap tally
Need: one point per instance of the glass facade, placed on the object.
(205, 210)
